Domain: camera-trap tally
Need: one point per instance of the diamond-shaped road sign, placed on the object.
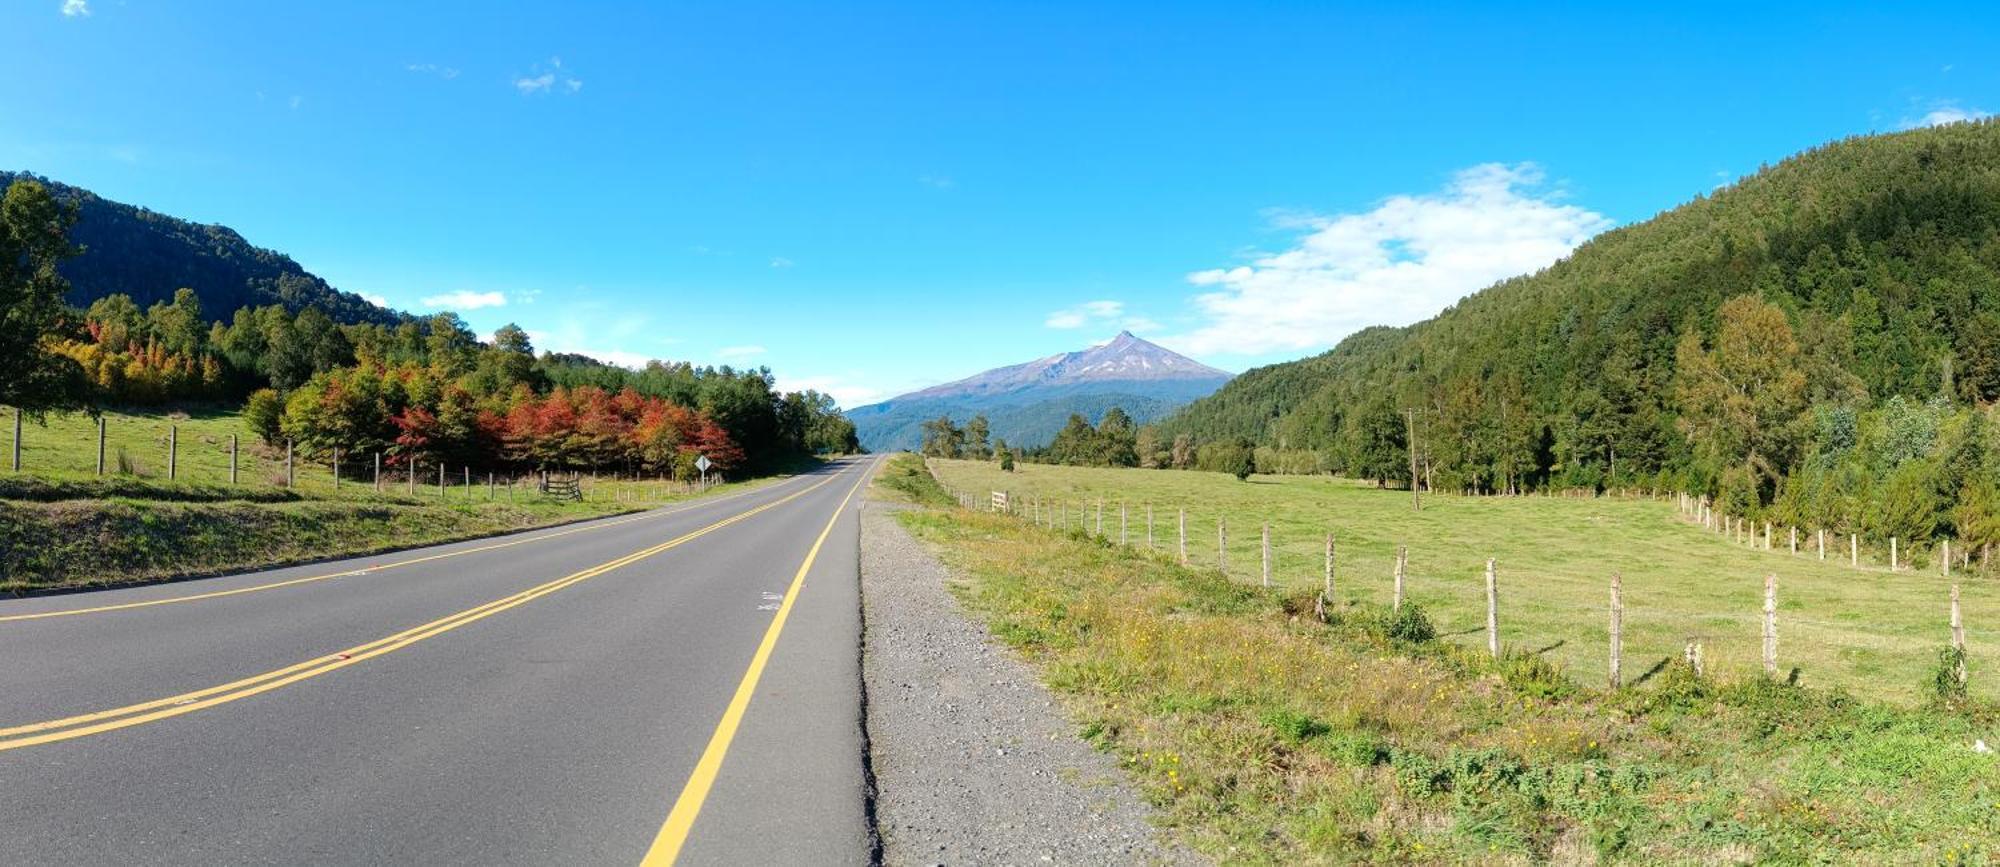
(702, 464)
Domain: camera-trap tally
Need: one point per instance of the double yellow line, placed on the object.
(68, 728)
(366, 570)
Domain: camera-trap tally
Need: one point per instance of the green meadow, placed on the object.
(1870, 631)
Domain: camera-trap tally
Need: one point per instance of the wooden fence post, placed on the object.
(1894, 561)
(1326, 591)
(1617, 630)
(100, 446)
(1795, 541)
(336, 469)
(1692, 654)
(410, 475)
(1492, 611)
(378, 472)
(289, 478)
(1267, 555)
(1121, 523)
(489, 486)
(1149, 526)
(1771, 624)
(1402, 563)
(17, 439)
(1222, 544)
(1822, 543)
(173, 451)
(1099, 532)
(232, 459)
(1854, 550)
(441, 480)
(1958, 635)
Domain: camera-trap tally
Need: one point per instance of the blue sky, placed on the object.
(871, 198)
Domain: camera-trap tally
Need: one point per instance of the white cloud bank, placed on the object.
(1405, 260)
(76, 8)
(465, 300)
(1943, 114)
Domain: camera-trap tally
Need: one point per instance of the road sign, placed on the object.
(702, 464)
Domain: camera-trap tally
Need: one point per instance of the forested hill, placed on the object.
(1871, 268)
(148, 255)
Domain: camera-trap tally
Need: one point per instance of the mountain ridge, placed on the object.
(147, 255)
(1027, 403)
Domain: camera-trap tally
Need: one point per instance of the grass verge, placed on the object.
(1269, 736)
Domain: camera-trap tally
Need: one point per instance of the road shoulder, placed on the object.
(973, 759)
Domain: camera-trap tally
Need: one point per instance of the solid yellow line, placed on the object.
(195, 597)
(177, 705)
(673, 835)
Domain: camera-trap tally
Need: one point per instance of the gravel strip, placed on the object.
(974, 762)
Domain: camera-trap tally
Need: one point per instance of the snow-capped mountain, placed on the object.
(1027, 403)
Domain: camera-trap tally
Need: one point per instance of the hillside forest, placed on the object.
(1817, 344)
(419, 390)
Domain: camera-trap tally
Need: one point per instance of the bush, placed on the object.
(1411, 624)
(262, 413)
(1294, 727)
(1946, 684)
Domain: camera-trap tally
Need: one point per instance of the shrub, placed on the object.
(1411, 624)
(262, 413)
(1294, 727)
(1946, 683)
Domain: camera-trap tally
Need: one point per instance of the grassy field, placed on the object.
(1265, 735)
(63, 526)
(1870, 631)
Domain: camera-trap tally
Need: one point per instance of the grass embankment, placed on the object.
(1870, 631)
(1269, 736)
(62, 526)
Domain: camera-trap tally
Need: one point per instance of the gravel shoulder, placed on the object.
(974, 762)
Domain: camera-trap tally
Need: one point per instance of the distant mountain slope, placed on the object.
(1027, 403)
(148, 255)
(1881, 251)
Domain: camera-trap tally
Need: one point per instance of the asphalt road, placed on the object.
(596, 694)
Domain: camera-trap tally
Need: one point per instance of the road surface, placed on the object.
(680, 683)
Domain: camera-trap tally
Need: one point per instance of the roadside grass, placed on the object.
(1870, 631)
(64, 527)
(1267, 736)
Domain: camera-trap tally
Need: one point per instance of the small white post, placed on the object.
(1771, 624)
(1402, 563)
(1326, 592)
(1958, 634)
(232, 459)
(173, 451)
(1894, 561)
(1267, 555)
(1222, 544)
(1617, 629)
(1492, 611)
(1121, 523)
(1854, 550)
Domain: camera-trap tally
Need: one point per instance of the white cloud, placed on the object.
(1099, 313)
(1944, 113)
(444, 72)
(543, 78)
(75, 8)
(466, 300)
(1403, 261)
(781, 262)
(297, 101)
(376, 300)
(936, 182)
(849, 395)
(739, 353)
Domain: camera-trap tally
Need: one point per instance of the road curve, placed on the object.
(681, 685)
